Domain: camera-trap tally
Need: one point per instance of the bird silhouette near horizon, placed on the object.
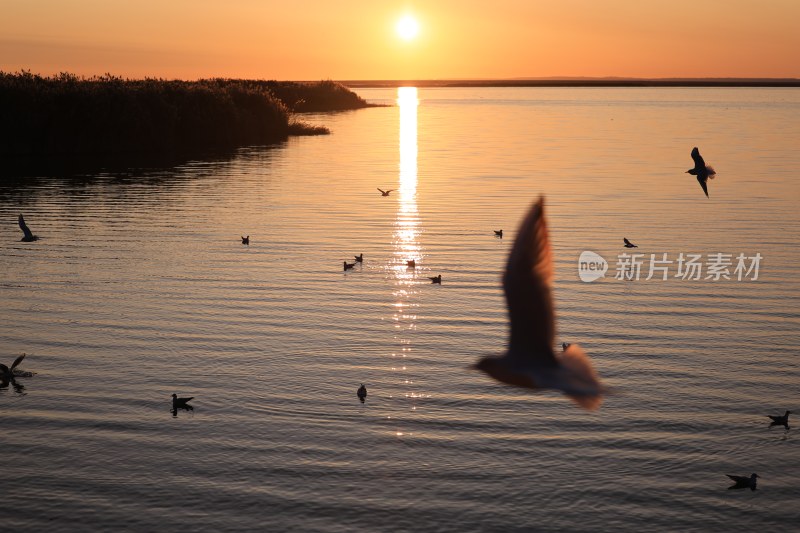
(498, 233)
(359, 258)
(628, 244)
(530, 360)
(780, 420)
(348, 266)
(28, 235)
(436, 279)
(246, 240)
(386, 192)
(743, 482)
(702, 171)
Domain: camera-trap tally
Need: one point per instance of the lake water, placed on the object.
(140, 287)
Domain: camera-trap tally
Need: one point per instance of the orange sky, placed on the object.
(355, 39)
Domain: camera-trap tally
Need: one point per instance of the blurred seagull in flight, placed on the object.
(530, 360)
(629, 244)
(743, 482)
(29, 236)
(385, 193)
(700, 170)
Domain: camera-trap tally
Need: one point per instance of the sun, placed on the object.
(407, 27)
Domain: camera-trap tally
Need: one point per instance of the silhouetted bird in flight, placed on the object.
(703, 172)
(498, 233)
(362, 392)
(742, 482)
(629, 244)
(180, 403)
(780, 420)
(385, 193)
(411, 263)
(246, 240)
(348, 266)
(360, 258)
(29, 236)
(530, 360)
(436, 279)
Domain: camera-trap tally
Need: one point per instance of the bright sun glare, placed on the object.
(407, 27)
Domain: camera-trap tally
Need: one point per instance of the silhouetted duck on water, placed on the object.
(498, 233)
(246, 240)
(436, 279)
(530, 360)
(411, 264)
(29, 236)
(360, 258)
(348, 266)
(701, 170)
(780, 420)
(384, 193)
(181, 403)
(628, 244)
(742, 482)
(362, 393)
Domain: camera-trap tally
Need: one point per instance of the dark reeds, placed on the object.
(64, 116)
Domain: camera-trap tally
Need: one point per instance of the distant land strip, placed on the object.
(581, 82)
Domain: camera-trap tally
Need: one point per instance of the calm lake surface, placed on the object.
(140, 287)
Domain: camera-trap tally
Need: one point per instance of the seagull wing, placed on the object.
(17, 361)
(382, 191)
(698, 159)
(526, 283)
(25, 229)
(702, 181)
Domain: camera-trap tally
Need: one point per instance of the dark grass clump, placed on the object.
(111, 117)
(326, 95)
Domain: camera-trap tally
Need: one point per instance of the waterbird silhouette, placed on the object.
(436, 279)
(629, 244)
(411, 263)
(246, 240)
(359, 258)
(743, 482)
(530, 360)
(362, 393)
(498, 233)
(29, 236)
(701, 170)
(11, 373)
(385, 193)
(780, 420)
(181, 403)
(564, 346)
(348, 266)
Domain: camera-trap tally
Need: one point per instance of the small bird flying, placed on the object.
(628, 244)
(530, 360)
(701, 170)
(385, 193)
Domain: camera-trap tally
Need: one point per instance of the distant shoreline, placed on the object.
(581, 82)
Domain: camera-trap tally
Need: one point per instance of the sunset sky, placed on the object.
(357, 39)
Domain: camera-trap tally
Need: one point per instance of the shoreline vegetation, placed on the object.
(108, 120)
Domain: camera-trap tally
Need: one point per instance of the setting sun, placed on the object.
(407, 27)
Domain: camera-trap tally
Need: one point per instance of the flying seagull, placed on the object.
(530, 360)
(780, 420)
(384, 193)
(703, 172)
(29, 236)
(743, 482)
(629, 244)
